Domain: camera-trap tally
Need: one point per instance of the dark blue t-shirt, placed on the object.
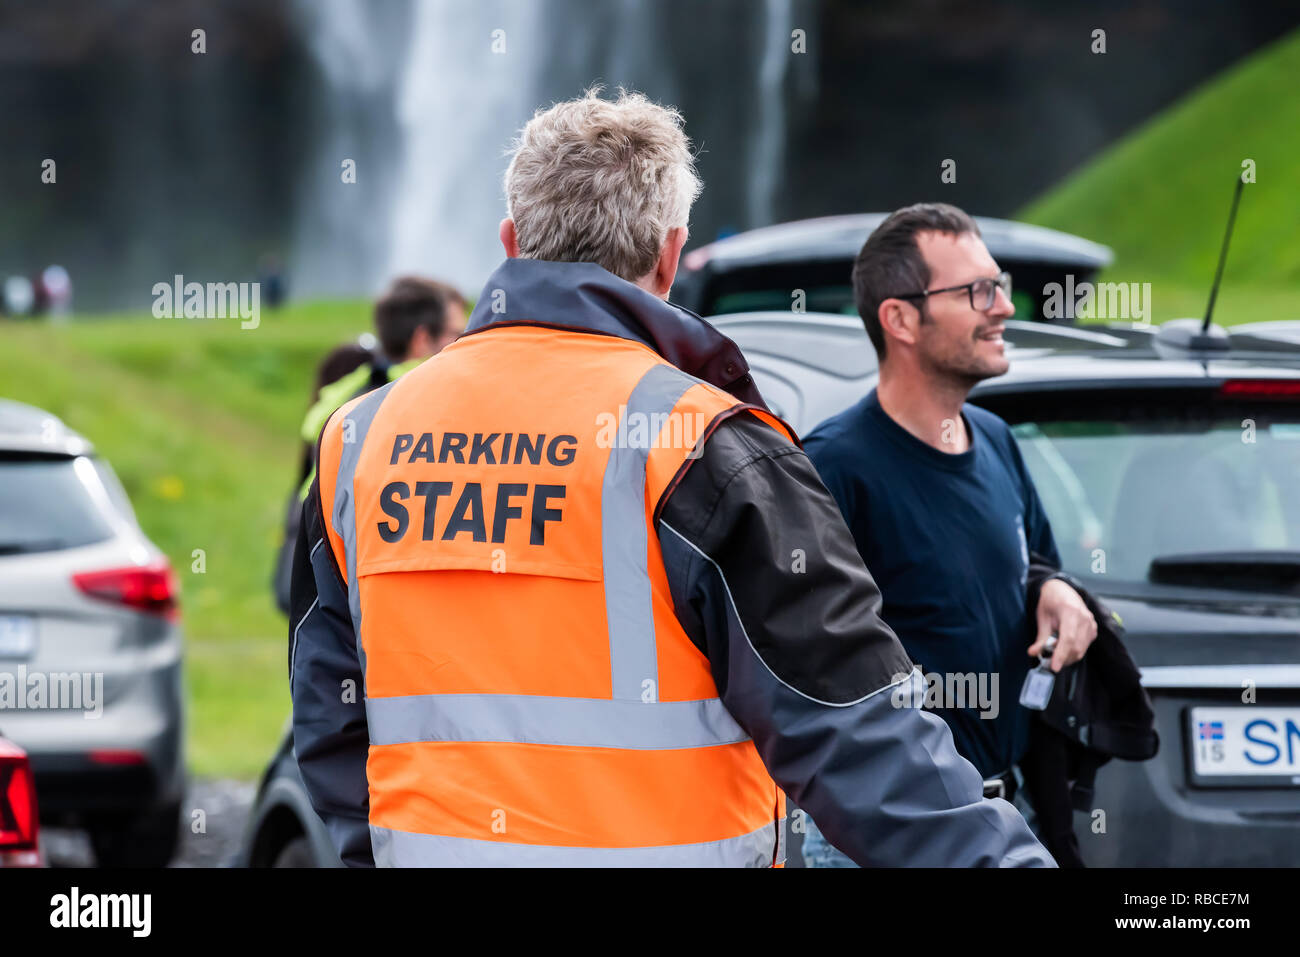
(947, 539)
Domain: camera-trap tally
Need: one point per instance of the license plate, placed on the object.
(1245, 746)
(17, 636)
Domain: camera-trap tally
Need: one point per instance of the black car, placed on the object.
(1171, 477)
(283, 830)
(761, 269)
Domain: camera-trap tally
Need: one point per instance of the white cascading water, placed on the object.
(465, 91)
(342, 227)
(769, 135)
(429, 201)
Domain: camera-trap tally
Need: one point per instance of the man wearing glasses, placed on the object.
(936, 495)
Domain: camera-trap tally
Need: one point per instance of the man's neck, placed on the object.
(928, 409)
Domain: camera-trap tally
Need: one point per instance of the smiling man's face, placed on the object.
(959, 341)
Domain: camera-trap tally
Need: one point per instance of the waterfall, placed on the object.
(769, 136)
(469, 84)
(342, 228)
(427, 96)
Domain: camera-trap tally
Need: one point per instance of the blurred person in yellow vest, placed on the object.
(413, 320)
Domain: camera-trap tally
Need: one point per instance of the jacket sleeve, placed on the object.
(330, 736)
(1041, 570)
(767, 582)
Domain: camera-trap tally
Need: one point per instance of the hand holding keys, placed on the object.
(1037, 689)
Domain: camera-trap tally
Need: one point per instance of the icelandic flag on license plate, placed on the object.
(1211, 730)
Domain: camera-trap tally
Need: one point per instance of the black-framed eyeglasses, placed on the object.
(983, 292)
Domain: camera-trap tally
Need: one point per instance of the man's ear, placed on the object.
(899, 320)
(509, 241)
(421, 346)
(665, 271)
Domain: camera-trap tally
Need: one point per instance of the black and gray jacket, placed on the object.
(766, 581)
(1098, 710)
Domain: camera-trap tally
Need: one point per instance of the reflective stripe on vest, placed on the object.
(631, 720)
(405, 849)
(343, 516)
(623, 538)
(533, 719)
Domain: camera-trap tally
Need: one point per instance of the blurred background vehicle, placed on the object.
(19, 821)
(88, 613)
(283, 829)
(767, 268)
(1170, 478)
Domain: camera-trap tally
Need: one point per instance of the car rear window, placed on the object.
(1129, 478)
(834, 299)
(827, 286)
(48, 503)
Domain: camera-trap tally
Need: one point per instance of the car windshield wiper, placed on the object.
(1267, 571)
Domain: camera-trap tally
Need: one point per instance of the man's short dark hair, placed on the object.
(890, 263)
(410, 303)
(452, 294)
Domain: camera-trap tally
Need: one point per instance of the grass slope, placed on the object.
(1160, 197)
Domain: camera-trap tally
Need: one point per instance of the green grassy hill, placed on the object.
(199, 419)
(1160, 197)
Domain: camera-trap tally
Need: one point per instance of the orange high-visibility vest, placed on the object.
(531, 697)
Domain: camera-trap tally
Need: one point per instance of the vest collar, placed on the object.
(585, 297)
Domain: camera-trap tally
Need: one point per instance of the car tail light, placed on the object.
(151, 588)
(1261, 389)
(19, 824)
(116, 756)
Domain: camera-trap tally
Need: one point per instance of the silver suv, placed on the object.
(90, 649)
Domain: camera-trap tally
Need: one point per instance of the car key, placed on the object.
(1037, 689)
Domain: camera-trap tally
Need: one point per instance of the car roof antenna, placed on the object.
(1223, 256)
(1177, 337)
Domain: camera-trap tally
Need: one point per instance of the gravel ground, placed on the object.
(225, 805)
